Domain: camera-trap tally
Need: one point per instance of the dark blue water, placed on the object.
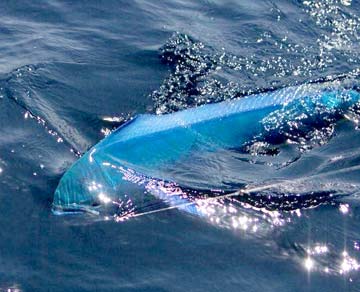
(72, 72)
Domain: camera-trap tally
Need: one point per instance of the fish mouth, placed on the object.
(75, 209)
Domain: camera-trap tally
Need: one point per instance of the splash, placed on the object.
(201, 74)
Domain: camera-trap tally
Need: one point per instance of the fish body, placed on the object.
(138, 154)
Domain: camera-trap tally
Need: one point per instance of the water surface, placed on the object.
(72, 72)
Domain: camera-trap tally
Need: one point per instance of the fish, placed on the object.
(136, 158)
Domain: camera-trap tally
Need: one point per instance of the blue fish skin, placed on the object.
(139, 152)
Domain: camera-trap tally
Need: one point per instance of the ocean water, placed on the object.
(70, 73)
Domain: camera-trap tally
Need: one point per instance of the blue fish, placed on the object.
(137, 156)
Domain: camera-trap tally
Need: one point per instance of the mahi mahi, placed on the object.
(140, 152)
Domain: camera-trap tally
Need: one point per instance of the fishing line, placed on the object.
(242, 191)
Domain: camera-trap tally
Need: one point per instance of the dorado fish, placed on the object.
(147, 153)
